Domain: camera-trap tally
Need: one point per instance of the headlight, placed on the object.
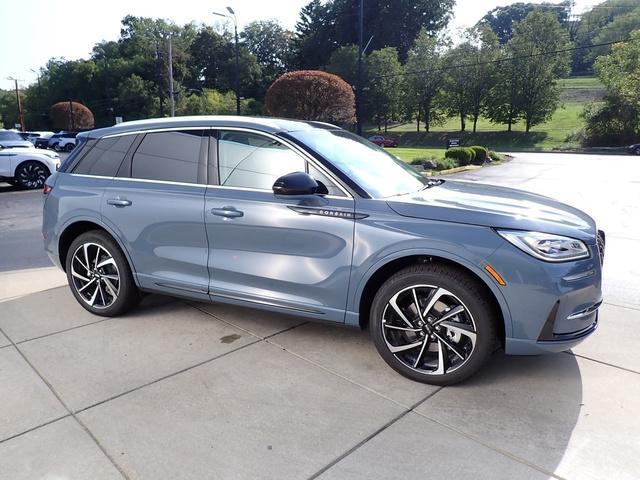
(546, 246)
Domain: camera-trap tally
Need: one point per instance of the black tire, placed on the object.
(101, 246)
(471, 333)
(69, 147)
(31, 175)
(637, 151)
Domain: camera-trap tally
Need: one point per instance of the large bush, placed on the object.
(611, 124)
(71, 116)
(311, 95)
(480, 154)
(462, 155)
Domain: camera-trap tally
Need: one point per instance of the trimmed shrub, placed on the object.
(480, 154)
(311, 95)
(462, 155)
(447, 163)
(71, 116)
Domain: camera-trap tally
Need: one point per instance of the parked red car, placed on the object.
(383, 141)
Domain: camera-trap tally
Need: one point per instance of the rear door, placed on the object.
(156, 206)
(291, 253)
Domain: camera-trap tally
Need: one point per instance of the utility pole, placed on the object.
(359, 115)
(232, 15)
(71, 122)
(39, 103)
(21, 112)
(159, 78)
(172, 104)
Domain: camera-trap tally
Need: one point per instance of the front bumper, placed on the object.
(553, 307)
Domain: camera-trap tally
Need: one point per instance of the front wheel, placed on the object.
(68, 147)
(433, 324)
(99, 275)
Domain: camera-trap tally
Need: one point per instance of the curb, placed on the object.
(433, 173)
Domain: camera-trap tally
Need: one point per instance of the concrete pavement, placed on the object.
(189, 390)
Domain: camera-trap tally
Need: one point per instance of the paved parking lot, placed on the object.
(187, 390)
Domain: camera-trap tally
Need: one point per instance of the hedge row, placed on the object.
(467, 155)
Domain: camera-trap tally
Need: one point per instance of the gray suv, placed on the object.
(310, 220)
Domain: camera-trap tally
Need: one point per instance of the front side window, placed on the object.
(105, 157)
(10, 136)
(249, 160)
(170, 156)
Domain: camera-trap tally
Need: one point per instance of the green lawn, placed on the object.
(576, 93)
(411, 153)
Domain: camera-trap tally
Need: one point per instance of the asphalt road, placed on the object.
(605, 186)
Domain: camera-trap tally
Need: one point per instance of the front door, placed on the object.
(289, 254)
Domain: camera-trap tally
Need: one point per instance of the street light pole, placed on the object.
(359, 115)
(232, 15)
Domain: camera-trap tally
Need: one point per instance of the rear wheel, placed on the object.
(433, 323)
(68, 147)
(99, 275)
(31, 175)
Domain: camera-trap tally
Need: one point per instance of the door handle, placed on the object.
(227, 212)
(118, 202)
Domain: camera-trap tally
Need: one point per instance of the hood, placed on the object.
(498, 207)
(16, 144)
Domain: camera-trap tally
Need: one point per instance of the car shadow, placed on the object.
(7, 187)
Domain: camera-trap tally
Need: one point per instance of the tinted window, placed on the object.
(250, 160)
(105, 157)
(169, 156)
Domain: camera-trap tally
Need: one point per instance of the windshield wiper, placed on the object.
(433, 183)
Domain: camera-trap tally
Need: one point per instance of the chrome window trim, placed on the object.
(284, 141)
(145, 180)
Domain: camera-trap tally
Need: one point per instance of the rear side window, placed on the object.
(105, 157)
(249, 160)
(170, 156)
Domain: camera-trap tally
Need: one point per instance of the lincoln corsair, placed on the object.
(308, 219)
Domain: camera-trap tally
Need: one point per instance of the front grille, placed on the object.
(601, 244)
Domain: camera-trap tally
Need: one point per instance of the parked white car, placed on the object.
(65, 144)
(27, 167)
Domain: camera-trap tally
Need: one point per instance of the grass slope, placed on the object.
(576, 93)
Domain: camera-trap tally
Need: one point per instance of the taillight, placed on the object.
(46, 189)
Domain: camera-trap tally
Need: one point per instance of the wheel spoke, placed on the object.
(77, 275)
(462, 329)
(108, 261)
(415, 300)
(393, 327)
(104, 302)
(449, 345)
(395, 306)
(85, 249)
(402, 348)
(110, 288)
(86, 285)
(433, 298)
(111, 277)
(95, 262)
(92, 300)
(443, 359)
(419, 357)
(451, 313)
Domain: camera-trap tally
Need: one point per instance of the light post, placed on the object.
(232, 15)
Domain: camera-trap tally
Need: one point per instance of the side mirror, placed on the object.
(297, 183)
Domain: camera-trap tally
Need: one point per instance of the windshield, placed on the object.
(379, 173)
(10, 136)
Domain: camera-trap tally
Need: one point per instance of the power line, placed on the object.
(508, 59)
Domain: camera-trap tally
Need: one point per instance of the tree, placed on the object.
(483, 43)
(424, 76)
(268, 42)
(383, 73)
(344, 62)
(620, 71)
(612, 20)
(71, 116)
(502, 19)
(313, 40)
(527, 86)
(458, 81)
(325, 26)
(311, 95)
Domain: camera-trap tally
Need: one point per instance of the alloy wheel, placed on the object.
(95, 275)
(428, 329)
(32, 175)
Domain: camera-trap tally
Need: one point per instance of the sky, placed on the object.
(33, 31)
